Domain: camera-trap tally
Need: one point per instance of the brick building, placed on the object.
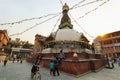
(109, 44)
(3, 38)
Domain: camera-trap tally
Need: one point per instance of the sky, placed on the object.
(89, 17)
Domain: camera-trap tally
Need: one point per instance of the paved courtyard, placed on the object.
(17, 71)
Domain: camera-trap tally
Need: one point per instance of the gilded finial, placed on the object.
(66, 7)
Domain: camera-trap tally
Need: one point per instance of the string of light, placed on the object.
(61, 2)
(77, 4)
(35, 25)
(56, 23)
(81, 26)
(93, 9)
(86, 4)
(18, 22)
(87, 14)
(74, 7)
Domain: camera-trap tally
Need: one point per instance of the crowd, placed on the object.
(5, 58)
(17, 58)
(54, 64)
(111, 61)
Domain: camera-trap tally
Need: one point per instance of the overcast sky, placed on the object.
(104, 19)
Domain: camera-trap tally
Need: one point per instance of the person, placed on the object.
(0, 59)
(14, 57)
(56, 67)
(35, 66)
(20, 57)
(118, 61)
(111, 62)
(51, 67)
(5, 61)
(61, 55)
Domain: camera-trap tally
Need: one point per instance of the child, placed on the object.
(51, 67)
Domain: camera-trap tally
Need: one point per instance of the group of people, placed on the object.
(54, 64)
(54, 67)
(111, 62)
(17, 58)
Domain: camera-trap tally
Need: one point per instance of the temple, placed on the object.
(71, 42)
(66, 38)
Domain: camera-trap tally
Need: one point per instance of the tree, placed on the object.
(27, 45)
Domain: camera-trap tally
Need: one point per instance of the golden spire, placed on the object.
(65, 8)
(65, 21)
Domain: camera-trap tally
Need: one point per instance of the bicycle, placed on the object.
(36, 76)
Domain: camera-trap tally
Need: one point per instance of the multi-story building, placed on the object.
(108, 44)
(3, 38)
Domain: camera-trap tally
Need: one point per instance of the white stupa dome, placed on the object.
(68, 35)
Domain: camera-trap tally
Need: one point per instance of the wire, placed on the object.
(61, 2)
(78, 4)
(75, 6)
(56, 24)
(87, 14)
(87, 4)
(81, 27)
(93, 9)
(35, 25)
(18, 22)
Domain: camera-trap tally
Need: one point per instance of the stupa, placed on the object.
(79, 58)
(66, 38)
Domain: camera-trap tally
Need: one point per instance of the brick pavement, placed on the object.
(17, 71)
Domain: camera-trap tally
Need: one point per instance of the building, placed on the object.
(4, 38)
(24, 52)
(109, 44)
(39, 43)
(97, 46)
